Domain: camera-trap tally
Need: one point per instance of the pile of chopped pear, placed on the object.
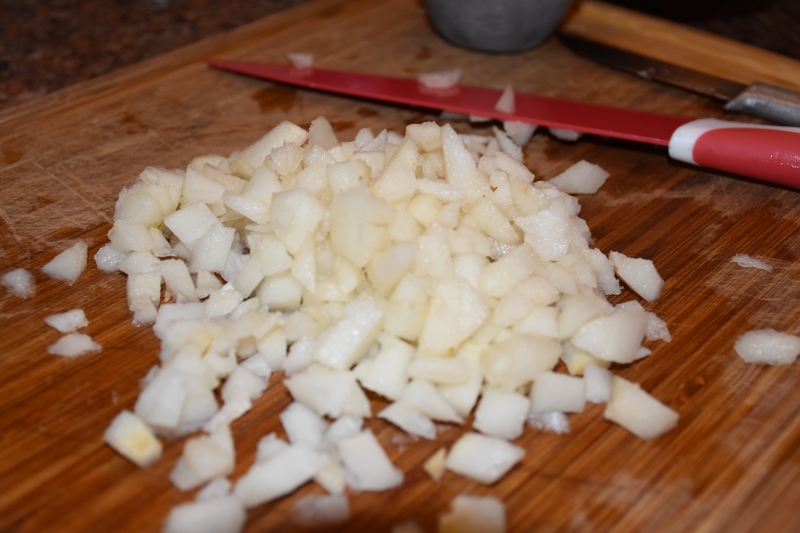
(430, 269)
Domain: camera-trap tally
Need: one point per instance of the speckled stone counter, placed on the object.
(48, 44)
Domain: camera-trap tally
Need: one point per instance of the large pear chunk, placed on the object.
(459, 167)
(457, 311)
(638, 274)
(637, 411)
(398, 180)
(295, 216)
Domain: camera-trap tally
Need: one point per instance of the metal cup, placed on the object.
(496, 25)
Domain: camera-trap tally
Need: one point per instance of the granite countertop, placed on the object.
(50, 44)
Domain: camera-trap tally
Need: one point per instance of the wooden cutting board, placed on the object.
(732, 464)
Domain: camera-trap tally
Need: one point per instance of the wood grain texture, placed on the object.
(681, 45)
(731, 465)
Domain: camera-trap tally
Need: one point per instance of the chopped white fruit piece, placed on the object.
(427, 135)
(460, 169)
(73, 345)
(303, 426)
(474, 514)
(138, 263)
(332, 478)
(178, 280)
(19, 282)
(501, 413)
(463, 397)
(440, 370)
(107, 258)
(190, 223)
(578, 309)
(456, 312)
(577, 360)
(347, 342)
(259, 366)
(269, 446)
(637, 411)
(440, 80)
(746, 261)
(397, 180)
(295, 215)
(69, 264)
(616, 337)
(176, 402)
(243, 384)
(607, 282)
(520, 132)
(131, 437)
(301, 60)
(409, 420)
(434, 465)
(210, 252)
(284, 133)
(343, 427)
(638, 274)
(368, 468)
(300, 356)
(558, 392)
(325, 391)
(426, 398)
(517, 361)
(204, 458)
(506, 102)
(657, 329)
(320, 510)
(214, 489)
(565, 134)
(484, 459)
(221, 515)
(279, 475)
(387, 371)
(598, 384)
(68, 321)
(581, 178)
(768, 346)
(552, 421)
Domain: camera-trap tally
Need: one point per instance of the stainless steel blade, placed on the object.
(653, 69)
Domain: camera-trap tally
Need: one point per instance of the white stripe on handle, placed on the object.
(768, 153)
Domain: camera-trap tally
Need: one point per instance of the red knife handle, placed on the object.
(768, 153)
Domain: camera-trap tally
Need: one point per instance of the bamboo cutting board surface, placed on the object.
(732, 464)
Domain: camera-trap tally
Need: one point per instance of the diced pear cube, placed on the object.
(398, 181)
(456, 312)
(460, 168)
(481, 458)
(348, 174)
(427, 135)
(557, 392)
(387, 267)
(474, 514)
(638, 274)
(131, 437)
(295, 215)
(285, 132)
(637, 411)
(368, 465)
(514, 362)
(501, 413)
(616, 337)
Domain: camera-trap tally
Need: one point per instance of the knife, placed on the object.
(768, 153)
(759, 99)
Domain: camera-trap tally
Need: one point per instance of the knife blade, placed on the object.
(759, 99)
(768, 153)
